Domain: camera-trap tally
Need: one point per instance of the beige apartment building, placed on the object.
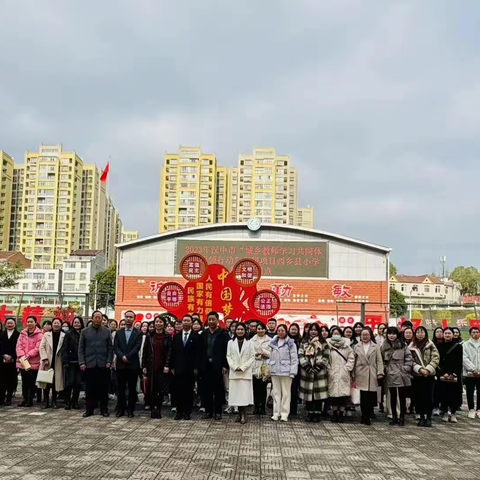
(305, 217)
(129, 236)
(16, 207)
(6, 185)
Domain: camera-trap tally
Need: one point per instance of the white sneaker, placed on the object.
(446, 418)
(389, 416)
(275, 418)
(235, 409)
(348, 413)
(201, 410)
(417, 417)
(478, 413)
(471, 414)
(174, 410)
(453, 419)
(284, 419)
(436, 412)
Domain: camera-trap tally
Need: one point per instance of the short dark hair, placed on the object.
(215, 314)
(272, 320)
(105, 317)
(282, 325)
(97, 311)
(335, 328)
(470, 331)
(131, 311)
(407, 324)
(188, 316)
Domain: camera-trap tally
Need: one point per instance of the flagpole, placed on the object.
(108, 176)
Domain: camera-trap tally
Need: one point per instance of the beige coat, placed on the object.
(46, 353)
(262, 353)
(342, 361)
(368, 367)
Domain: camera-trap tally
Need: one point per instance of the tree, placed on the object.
(398, 305)
(105, 283)
(417, 314)
(393, 269)
(468, 278)
(10, 274)
(441, 315)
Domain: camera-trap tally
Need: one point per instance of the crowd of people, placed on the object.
(333, 372)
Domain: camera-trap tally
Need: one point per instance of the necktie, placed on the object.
(185, 338)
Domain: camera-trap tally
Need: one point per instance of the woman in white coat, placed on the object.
(240, 357)
(51, 357)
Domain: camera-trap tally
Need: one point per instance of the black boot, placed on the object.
(309, 418)
(341, 417)
(394, 420)
(256, 410)
(421, 422)
(401, 422)
(76, 395)
(54, 400)
(316, 417)
(263, 411)
(334, 416)
(428, 421)
(46, 403)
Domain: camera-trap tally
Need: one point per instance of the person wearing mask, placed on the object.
(381, 331)
(28, 359)
(65, 327)
(240, 357)
(283, 369)
(408, 336)
(8, 358)
(357, 332)
(398, 362)
(313, 357)
(367, 373)
(252, 329)
(127, 347)
(342, 360)
(214, 366)
(72, 372)
(156, 360)
(294, 334)
(471, 371)
(51, 357)
(425, 362)
(450, 369)
(272, 328)
(437, 340)
(260, 343)
(185, 364)
(95, 357)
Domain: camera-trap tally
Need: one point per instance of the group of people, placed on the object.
(332, 369)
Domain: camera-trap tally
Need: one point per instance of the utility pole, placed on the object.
(95, 297)
(443, 261)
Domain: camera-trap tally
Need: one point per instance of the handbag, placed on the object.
(45, 376)
(25, 364)
(265, 372)
(145, 385)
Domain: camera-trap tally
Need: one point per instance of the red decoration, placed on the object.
(247, 272)
(266, 303)
(193, 267)
(105, 173)
(474, 323)
(171, 296)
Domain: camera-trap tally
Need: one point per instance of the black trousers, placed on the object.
(402, 394)
(28, 384)
(97, 381)
(436, 394)
(214, 391)
(294, 395)
(450, 396)
(314, 406)
(8, 381)
(368, 400)
(259, 392)
(127, 377)
(471, 384)
(182, 392)
(423, 394)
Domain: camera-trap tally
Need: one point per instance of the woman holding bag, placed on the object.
(51, 357)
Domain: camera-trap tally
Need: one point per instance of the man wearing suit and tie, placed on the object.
(126, 347)
(184, 365)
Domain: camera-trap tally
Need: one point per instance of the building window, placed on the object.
(415, 288)
(83, 276)
(83, 286)
(403, 287)
(51, 276)
(83, 265)
(69, 276)
(437, 289)
(69, 287)
(427, 288)
(24, 286)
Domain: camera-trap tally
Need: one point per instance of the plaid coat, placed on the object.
(314, 358)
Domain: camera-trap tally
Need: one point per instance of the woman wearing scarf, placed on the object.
(260, 343)
(368, 372)
(156, 365)
(314, 356)
(425, 362)
(398, 362)
(342, 361)
(450, 371)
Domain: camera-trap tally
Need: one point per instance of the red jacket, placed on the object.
(29, 346)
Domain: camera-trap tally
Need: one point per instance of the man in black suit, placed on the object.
(184, 366)
(8, 358)
(214, 366)
(126, 347)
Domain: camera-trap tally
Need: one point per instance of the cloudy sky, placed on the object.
(377, 102)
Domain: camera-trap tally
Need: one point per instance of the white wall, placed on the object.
(346, 261)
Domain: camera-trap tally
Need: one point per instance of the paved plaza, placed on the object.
(61, 445)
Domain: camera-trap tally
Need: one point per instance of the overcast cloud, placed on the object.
(377, 102)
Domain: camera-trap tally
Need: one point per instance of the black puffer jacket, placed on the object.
(70, 346)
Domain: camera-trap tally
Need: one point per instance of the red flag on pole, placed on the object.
(105, 173)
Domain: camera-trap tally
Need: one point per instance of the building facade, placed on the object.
(6, 185)
(37, 280)
(80, 270)
(426, 289)
(129, 236)
(317, 275)
(305, 217)
(16, 207)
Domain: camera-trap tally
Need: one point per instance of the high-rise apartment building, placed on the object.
(305, 217)
(188, 189)
(51, 205)
(129, 236)
(6, 185)
(264, 185)
(16, 208)
(221, 204)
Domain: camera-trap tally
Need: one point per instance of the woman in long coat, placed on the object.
(240, 357)
(260, 343)
(314, 356)
(398, 365)
(157, 353)
(342, 361)
(73, 374)
(51, 357)
(367, 373)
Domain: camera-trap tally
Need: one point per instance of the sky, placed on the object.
(377, 103)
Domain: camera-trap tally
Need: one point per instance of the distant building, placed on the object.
(37, 280)
(426, 289)
(80, 269)
(128, 236)
(305, 217)
(14, 257)
(6, 183)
